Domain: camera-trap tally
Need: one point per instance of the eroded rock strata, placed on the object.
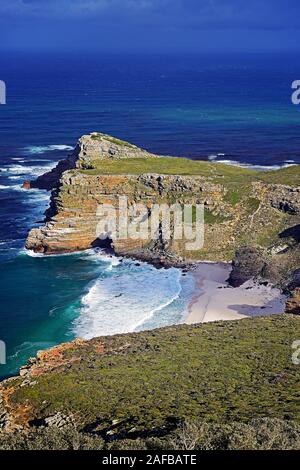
(253, 214)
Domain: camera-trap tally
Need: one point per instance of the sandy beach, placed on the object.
(215, 300)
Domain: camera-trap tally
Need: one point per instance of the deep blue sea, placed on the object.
(222, 108)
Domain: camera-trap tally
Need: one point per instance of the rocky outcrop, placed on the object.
(263, 217)
(97, 146)
(89, 149)
(73, 221)
(293, 304)
(248, 263)
(282, 197)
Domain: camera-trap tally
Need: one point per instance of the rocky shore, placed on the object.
(252, 218)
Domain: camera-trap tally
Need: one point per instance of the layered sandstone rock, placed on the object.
(293, 304)
(282, 197)
(90, 149)
(265, 218)
(73, 218)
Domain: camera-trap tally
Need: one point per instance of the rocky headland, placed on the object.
(229, 385)
(251, 217)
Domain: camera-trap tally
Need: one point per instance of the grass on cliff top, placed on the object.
(289, 176)
(185, 167)
(113, 140)
(218, 372)
(166, 165)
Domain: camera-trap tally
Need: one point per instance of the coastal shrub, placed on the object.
(252, 205)
(233, 197)
(211, 218)
(67, 438)
(258, 434)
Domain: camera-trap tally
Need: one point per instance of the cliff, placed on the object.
(244, 209)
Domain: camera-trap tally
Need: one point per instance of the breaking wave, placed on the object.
(40, 149)
(125, 297)
(219, 158)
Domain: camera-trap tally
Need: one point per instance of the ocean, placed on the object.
(231, 108)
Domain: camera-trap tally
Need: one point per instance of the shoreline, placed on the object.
(215, 300)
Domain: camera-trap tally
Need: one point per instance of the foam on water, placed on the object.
(256, 167)
(34, 170)
(40, 149)
(219, 158)
(33, 254)
(125, 296)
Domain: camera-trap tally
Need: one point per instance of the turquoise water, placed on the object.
(83, 295)
(214, 108)
(49, 300)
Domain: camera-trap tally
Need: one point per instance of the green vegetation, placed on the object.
(259, 434)
(182, 166)
(211, 218)
(168, 166)
(233, 197)
(289, 176)
(113, 140)
(252, 205)
(129, 385)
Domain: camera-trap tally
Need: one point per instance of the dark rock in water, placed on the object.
(26, 185)
(51, 179)
(248, 263)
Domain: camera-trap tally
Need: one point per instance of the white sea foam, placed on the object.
(218, 159)
(33, 193)
(126, 298)
(28, 346)
(256, 167)
(33, 254)
(33, 170)
(39, 149)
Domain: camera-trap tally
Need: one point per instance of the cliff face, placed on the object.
(72, 218)
(89, 148)
(241, 208)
